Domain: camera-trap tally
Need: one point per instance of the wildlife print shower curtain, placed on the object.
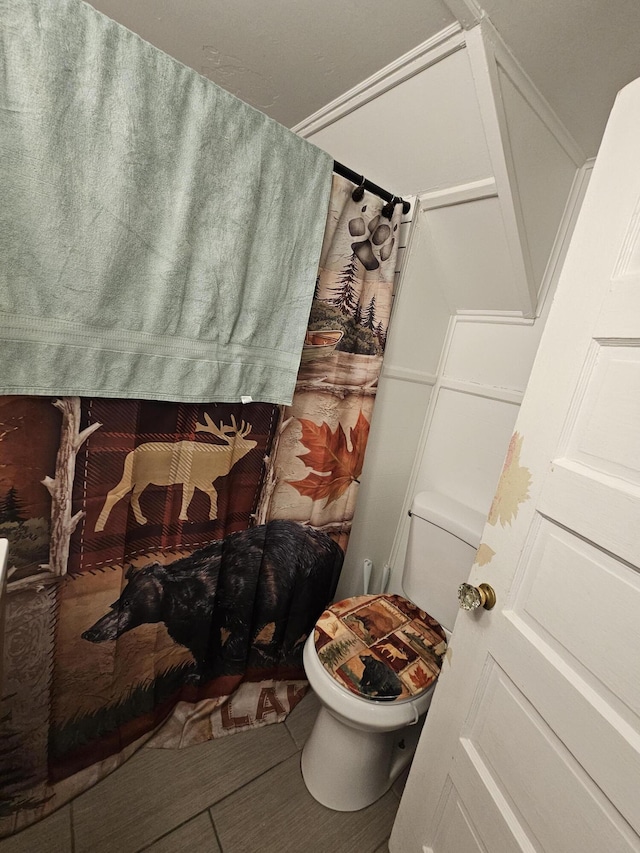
(167, 561)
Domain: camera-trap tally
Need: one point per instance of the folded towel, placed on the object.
(159, 238)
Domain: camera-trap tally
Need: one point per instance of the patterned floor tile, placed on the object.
(300, 721)
(276, 814)
(159, 789)
(196, 836)
(51, 835)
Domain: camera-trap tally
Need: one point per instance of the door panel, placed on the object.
(477, 813)
(540, 780)
(455, 832)
(600, 738)
(605, 432)
(602, 509)
(593, 581)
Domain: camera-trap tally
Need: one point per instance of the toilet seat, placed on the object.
(380, 648)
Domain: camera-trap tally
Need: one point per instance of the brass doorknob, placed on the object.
(471, 597)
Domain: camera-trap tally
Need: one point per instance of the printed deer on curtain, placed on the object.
(167, 558)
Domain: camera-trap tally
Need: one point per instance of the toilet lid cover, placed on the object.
(380, 647)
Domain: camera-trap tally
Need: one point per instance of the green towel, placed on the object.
(159, 238)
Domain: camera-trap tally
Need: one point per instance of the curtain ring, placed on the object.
(358, 193)
(387, 210)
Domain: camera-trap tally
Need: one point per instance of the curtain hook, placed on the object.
(358, 193)
(387, 210)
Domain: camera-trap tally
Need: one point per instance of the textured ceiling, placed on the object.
(291, 57)
(288, 58)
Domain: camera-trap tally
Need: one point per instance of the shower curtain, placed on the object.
(168, 560)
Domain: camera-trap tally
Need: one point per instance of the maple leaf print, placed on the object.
(333, 466)
(419, 677)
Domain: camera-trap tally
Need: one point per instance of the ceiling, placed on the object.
(288, 58)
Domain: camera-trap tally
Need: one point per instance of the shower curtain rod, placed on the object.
(361, 181)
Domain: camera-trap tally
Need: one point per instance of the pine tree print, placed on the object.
(11, 507)
(357, 315)
(369, 321)
(381, 335)
(331, 655)
(346, 298)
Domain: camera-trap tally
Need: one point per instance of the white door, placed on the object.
(533, 739)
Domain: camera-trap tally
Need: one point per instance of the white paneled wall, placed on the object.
(415, 128)
(456, 123)
(483, 374)
(468, 436)
(492, 351)
(468, 248)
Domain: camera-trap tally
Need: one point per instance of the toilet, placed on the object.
(373, 660)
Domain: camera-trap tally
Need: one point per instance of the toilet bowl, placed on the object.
(361, 742)
(373, 661)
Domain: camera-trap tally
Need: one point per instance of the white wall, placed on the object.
(445, 123)
(484, 369)
(421, 133)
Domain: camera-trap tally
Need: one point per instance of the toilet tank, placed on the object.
(444, 535)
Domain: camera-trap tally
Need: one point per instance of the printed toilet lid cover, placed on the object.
(380, 647)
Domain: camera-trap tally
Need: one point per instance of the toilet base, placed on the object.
(347, 769)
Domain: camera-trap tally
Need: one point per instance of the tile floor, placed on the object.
(240, 794)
